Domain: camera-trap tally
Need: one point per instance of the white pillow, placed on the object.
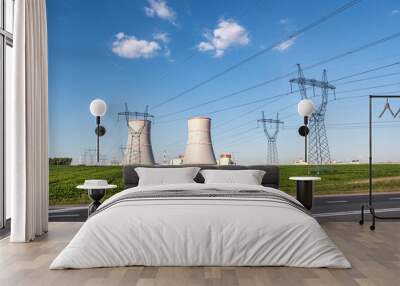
(248, 177)
(166, 176)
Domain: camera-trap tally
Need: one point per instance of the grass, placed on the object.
(337, 179)
(345, 179)
(64, 179)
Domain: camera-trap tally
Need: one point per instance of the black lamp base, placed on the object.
(305, 193)
(96, 195)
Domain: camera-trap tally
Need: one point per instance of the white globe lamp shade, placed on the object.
(305, 107)
(98, 107)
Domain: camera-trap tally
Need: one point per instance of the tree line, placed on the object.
(60, 161)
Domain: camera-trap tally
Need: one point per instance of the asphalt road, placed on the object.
(325, 208)
(347, 208)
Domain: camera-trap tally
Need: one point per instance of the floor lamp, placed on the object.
(98, 108)
(305, 108)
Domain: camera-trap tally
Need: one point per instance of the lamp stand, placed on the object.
(98, 139)
(305, 139)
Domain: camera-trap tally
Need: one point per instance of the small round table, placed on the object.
(96, 192)
(305, 190)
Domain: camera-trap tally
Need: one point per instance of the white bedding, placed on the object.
(200, 231)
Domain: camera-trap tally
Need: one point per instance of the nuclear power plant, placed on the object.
(138, 149)
(199, 149)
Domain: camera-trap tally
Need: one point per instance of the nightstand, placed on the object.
(96, 191)
(305, 190)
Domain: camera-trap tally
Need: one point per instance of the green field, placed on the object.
(337, 179)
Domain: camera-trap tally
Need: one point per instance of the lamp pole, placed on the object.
(98, 138)
(98, 108)
(305, 108)
(305, 138)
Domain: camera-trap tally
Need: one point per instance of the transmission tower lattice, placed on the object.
(272, 149)
(132, 151)
(318, 147)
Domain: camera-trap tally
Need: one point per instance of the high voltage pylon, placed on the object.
(132, 152)
(165, 161)
(88, 158)
(318, 147)
(272, 149)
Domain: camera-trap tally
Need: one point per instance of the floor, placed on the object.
(375, 256)
(5, 231)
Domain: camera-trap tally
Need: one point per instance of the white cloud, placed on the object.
(160, 9)
(285, 45)
(284, 21)
(167, 53)
(205, 46)
(288, 27)
(129, 47)
(395, 12)
(119, 36)
(162, 37)
(228, 33)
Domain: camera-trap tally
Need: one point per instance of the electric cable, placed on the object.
(263, 83)
(297, 33)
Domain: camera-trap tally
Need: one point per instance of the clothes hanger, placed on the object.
(387, 107)
(397, 113)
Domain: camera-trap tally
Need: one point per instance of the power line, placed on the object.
(263, 51)
(278, 96)
(349, 125)
(263, 83)
(185, 60)
(356, 50)
(353, 97)
(292, 105)
(346, 91)
(340, 126)
(338, 79)
(338, 99)
(294, 114)
(331, 126)
(369, 78)
(367, 71)
(241, 133)
(370, 87)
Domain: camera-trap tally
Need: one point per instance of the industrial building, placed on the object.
(199, 149)
(138, 148)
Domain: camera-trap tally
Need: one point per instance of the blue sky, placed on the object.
(143, 52)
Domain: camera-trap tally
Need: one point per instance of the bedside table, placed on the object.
(305, 190)
(96, 191)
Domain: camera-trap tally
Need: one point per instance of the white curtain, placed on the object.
(27, 152)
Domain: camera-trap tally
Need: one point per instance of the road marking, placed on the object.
(354, 212)
(336, 202)
(394, 198)
(67, 210)
(64, 215)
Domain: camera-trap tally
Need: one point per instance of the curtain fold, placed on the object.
(27, 119)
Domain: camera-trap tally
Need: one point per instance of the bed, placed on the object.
(197, 224)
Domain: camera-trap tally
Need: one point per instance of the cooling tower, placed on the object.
(199, 148)
(138, 149)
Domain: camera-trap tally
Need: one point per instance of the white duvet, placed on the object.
(200, 231)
